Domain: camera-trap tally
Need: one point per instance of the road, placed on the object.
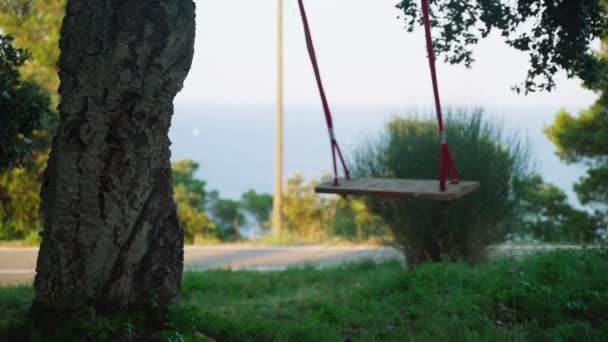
(17, 264)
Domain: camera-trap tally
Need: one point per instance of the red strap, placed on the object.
(335, 148)
(446, 163)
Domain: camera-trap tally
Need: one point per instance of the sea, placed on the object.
(234, 143)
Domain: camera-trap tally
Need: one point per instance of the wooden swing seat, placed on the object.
(399, 188)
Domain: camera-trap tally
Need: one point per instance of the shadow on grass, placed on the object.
(559, 295)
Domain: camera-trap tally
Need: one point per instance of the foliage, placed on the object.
(25, 115)
(352, 220)
(546, 214)
(584, 139)
(309, 216)
(195, 222)
(426, 230)
(30, 122)
(183, 174)
(36, 26)
(189, 194)
(556, 34)
(305, 213)
(205, 216)
(559, 296)
(259, 205)
(227, 216)
(24, 106)
(19, 200)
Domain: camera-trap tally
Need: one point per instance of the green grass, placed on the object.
(549, 297)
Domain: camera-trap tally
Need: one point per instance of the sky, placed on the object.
(367, 60)
(365, 56)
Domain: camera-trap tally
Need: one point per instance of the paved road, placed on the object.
(17, 265)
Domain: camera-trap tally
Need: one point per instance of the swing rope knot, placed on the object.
(446, 163)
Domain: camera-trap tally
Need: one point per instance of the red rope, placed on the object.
(446, 163)
(335, 148)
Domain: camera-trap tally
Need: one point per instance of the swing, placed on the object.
(384, 187)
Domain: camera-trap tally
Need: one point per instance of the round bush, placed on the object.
(462, 229)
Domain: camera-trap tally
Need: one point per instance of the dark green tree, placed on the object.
(583, 139)
(546, 214)
(556, 34)
(227, 216)
(259, 205)
(24, 106)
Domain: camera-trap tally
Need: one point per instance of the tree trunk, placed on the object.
(111, 236)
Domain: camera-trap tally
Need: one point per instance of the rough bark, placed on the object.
(111, 236)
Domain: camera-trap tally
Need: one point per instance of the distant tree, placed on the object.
(258, 205)
(354, 221)
(25, 118)
(183, 175)
(584, 140)
(24, 106)
(190, 197)
(35, 24)
(547, 216)
(226, 215)
(306, 214)
(556, 34)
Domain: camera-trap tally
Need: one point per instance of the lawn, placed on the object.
(554, 296)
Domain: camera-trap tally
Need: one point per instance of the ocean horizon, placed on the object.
(234, 143)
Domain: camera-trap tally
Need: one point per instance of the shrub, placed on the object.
(353, 221)
(426, 230)
(306, 214)
(190, 195)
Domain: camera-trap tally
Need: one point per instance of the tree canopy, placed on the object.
(36, 25)
(259, 205)
(24, 106)
(584, 139)
(546, 214)
(557, 35)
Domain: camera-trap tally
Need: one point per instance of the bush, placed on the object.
(426, 230)
(20, 198)
(353, 221)
(306, 214)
